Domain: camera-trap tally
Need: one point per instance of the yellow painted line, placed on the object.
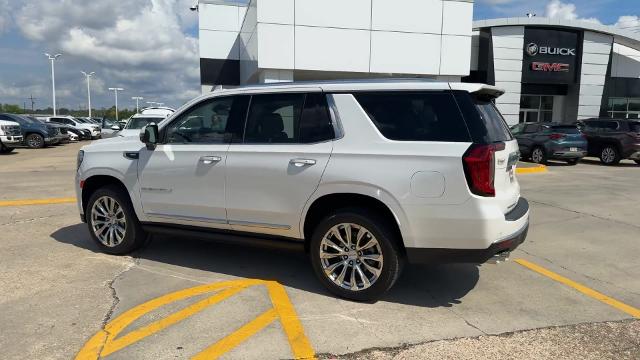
(106, 341)
(531, 170)
(581, 288)
(246, 331)
(4, 203)
(156, 326)
(298, 341)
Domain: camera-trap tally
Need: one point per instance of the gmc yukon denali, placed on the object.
(363, 175)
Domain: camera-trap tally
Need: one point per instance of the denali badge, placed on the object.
(549, 67)
(533, 49)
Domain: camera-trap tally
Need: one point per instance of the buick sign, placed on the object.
(533, 49)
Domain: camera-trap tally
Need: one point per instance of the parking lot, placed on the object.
(572, 290)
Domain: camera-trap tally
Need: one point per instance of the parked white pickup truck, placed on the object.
(10, 136)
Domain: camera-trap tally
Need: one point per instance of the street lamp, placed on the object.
(88, 76)
(53, 79)
(115, 91)
(137, 99)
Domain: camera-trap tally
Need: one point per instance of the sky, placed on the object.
(150, 47)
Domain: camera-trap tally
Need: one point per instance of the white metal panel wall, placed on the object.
(626, 62)
(508, 45)
(595, 58)
(219, 27)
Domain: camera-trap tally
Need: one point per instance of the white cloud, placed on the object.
(629, 23)
(141, 45)
(6, 9)
(556, 9)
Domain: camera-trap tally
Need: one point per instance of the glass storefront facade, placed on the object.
(623, 108)
(536, 108)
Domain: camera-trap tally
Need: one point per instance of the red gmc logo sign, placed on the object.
(549, 67)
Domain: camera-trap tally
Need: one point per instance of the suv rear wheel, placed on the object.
(5, 149)
(355, 254)
(609, 155)
(112, 221)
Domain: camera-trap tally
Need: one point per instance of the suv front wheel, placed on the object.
(112, 221)
(355, 254)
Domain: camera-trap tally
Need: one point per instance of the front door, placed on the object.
(273, 173)
(183, 179)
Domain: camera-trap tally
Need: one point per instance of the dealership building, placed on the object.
(551, 70)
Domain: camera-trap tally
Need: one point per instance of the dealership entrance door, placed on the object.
(536, 108)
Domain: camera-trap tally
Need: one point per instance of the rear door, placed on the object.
(271, 175)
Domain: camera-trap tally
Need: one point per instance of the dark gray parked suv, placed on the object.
(613, 139)
(543, 141)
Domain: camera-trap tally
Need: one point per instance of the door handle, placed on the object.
(208, 160)
(302, 162)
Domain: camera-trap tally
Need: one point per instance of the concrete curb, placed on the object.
(532, 170)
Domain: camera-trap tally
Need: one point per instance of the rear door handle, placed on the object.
(208, 160)
(302, 162)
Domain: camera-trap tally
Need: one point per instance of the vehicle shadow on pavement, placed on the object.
(599, 163)
(420, 285)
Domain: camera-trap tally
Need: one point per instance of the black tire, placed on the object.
(539, 158)
(134, 237)
(5, 149)
(609, 155)
(392, 255)
(34, 141)
(573, 162)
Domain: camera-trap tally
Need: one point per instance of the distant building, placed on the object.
(552, 70)
(558, 70)
(284, 40)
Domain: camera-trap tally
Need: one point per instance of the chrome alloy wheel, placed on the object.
(34, 141)
(608, 155)
(351, 256)
(108, 221)
(537, 155)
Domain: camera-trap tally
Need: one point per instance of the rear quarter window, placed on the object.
(483, 119)
(415, 116)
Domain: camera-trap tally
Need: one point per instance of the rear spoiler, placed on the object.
(482, 91)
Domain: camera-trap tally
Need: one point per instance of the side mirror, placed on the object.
(116, 128)
(149, 135)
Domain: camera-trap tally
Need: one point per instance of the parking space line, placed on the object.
(581, 288)
(106, 341)
(231, 341)
(531, 170)
(5, 203)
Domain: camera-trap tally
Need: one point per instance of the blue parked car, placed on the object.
(544, 141)
(35, 134)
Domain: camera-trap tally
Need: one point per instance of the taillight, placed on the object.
(556, 136)
(479, 168)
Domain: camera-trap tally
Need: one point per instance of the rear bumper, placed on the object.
(477, 256)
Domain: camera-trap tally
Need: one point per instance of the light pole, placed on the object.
(152, 103)
(53, 79)
(88, 76)
(115, 91)
(137, 99)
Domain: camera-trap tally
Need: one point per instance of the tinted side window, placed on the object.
(274, 118)
(213, 121)
(483, 119)
(315, 124)
(425, 116)
(531, 128)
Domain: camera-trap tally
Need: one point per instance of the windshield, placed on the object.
(140, 122)
(83, 121)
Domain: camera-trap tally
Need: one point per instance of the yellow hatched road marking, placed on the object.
(105, 342)
(25, 202)
(581, 288)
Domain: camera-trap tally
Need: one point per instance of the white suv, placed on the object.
(363, 175)
(75, 123)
